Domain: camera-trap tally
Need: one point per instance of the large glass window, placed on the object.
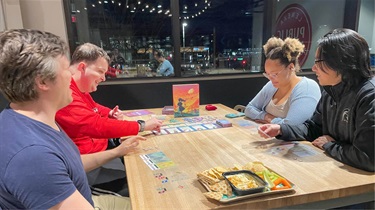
(128, 30)
(220, 37)
(213, 36)
(217, 37)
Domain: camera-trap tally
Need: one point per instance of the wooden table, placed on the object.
(320, 181)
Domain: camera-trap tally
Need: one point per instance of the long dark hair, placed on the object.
(347, 53)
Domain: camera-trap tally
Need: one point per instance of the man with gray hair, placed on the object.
(40, 167)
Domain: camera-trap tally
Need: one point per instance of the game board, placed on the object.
(189, 124)
(157, 160)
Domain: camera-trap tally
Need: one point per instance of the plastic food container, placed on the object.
(245, 182)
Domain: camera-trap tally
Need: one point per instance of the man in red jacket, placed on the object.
(89, 124)
(86, 122)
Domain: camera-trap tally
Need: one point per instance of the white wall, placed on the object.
(44, 15)
(2, 20)
(11, 14)
(324, 15)
(366, 25)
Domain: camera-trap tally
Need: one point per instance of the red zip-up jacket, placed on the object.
(87, 123)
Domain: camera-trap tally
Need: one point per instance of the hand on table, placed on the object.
(269, 130)
(322, 140)
(268, 118)
(261, 121)
(116, 113)
(153, 124)
(128, 144)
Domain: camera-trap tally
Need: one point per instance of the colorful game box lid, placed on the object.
(168, 110)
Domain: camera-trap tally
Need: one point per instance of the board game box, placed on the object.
(186, 100)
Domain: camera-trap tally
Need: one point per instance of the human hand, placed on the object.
(261, 121)
(269, 130)
(153, 124)
(128, 144)
(116, 113)
(268, 118)
(322, 140)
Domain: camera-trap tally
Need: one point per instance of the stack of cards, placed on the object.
(224, 123)
(168, 110)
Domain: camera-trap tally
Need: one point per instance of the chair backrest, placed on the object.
(239, 108)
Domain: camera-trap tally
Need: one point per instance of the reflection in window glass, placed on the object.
(215, 36)
(128, 30)
(218, 36)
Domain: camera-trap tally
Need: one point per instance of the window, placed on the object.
(213, 37)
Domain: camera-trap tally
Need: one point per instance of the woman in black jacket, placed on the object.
(344, 121)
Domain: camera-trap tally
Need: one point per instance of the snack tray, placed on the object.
(233, 198)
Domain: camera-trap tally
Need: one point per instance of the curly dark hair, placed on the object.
(286, 51)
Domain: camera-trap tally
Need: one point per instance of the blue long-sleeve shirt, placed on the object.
(302, 102)
(166, 68)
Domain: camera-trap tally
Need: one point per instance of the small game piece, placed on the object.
(210, 107)
(224, 123)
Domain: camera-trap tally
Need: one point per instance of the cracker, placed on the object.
(213, 195)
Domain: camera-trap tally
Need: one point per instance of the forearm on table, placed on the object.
(95, 160)
(353, 155)
(109, 128)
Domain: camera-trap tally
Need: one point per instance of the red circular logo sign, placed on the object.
(294, 22)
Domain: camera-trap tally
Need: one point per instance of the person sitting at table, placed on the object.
(165, 67)
(286, 98)
(117, 60)
(89, 124)
(344, 121)
(40, 167)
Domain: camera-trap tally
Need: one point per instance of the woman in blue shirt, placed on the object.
(286, 98)
(165, 67)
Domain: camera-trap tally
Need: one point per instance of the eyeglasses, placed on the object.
(268, 76)
(317, 61)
